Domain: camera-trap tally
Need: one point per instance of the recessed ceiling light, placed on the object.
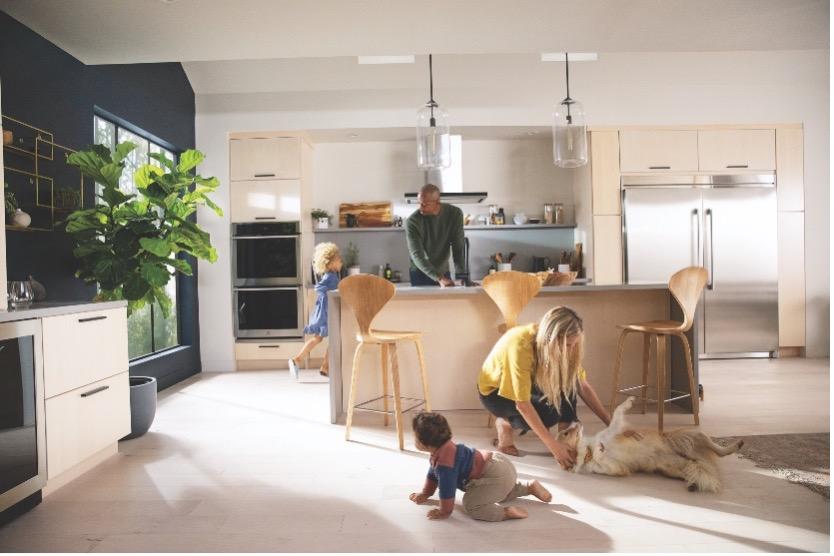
(572, 56)
(385, 59)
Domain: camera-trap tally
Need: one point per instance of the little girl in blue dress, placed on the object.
(327, 263)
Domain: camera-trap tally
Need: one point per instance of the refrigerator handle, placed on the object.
(698, 253)
(708, 214)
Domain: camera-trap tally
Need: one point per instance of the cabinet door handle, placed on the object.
(737, 166)
(272, 346)
(660, 167)
(94, 391)
(264, 175)
(264, 218)
(91, 319)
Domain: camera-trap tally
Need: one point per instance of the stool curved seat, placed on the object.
(366, 295)
(686, 286)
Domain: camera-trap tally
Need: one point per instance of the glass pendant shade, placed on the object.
(570, 138)
(434, 149)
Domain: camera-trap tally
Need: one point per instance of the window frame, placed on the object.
(118, 123)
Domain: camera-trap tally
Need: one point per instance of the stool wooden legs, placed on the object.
(354, 380)
(647, 352)
(383, 348)
(423, 376)
(661, 379)
(694, 395)
(617, 365)
(398, 405)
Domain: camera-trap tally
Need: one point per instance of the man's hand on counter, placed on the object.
(446, 282)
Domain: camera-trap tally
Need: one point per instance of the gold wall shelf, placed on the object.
(42, 152)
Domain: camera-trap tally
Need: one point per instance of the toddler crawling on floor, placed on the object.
(486, 478)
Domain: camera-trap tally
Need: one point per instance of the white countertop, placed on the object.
(55, 308)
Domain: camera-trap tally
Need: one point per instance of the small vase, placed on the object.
(354, 270)
(21, 219)
(322, 223)
(503, 267)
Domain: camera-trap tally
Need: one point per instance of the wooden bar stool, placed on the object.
(686, 286)
(511, 291)
(367, 294)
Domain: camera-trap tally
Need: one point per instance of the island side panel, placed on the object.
(334, 353)
(460, 330)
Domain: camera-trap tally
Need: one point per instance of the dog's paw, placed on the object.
(628, 403)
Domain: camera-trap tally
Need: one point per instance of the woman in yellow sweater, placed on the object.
(531, 378)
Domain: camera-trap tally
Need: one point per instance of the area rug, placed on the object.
(800, 458)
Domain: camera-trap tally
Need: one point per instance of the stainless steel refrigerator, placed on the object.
(727, 224)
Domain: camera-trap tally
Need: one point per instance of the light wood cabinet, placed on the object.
(790, 170)
(791, 272)
(265, 159)
(84, 421)
(658, 150)
(82, 348)
(608, 250)
(253, 201)
(605, 172)
(736, 149)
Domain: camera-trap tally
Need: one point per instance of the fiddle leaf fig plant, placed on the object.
(129, 243)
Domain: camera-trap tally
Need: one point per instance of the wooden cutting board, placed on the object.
(370, 215)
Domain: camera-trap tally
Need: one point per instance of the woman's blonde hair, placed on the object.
(323, 255)
(557, 364)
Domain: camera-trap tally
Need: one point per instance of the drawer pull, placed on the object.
(91, 319)
(264, 218)
(271, 346)
(660, 167)
(94, 391)
(737, 166)
(264, 175)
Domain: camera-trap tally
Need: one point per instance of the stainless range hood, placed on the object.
(450, 180)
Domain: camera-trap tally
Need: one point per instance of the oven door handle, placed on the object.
(267, 289)
(296, 236)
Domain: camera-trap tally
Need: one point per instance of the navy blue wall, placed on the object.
(46, 87)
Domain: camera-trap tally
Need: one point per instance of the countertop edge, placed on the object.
(433, 291)
(54, 309)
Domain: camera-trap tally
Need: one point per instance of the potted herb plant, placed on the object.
(352, 259)
(131, 245)
(321, 219)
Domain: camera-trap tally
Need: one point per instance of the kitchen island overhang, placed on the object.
(460, 326)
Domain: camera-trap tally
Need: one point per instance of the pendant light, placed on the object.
(434, 148)
(570, 140)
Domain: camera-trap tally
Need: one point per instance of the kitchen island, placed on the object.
(460, 326)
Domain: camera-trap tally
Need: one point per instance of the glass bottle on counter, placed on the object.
(388, 272)
(499, 218)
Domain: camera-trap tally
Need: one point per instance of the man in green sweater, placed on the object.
(430, 232)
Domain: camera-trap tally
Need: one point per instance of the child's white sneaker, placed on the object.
(293, 369)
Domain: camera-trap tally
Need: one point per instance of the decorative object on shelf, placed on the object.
(352, 259)
(67, 199)
(142, 405)
(570, 138)
(8, 137)
(548, 213)
(576, 261)
(398, 221)
(321, 219)
(519, 219)
(375, 214)
(19, 293)
(558, 213)
(434, 148)
(38, 289)
(21, 219)
(128, 244)
(11, 201)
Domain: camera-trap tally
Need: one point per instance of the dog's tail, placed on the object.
(686, 443)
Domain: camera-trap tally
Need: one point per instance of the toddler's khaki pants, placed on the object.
(498, 484)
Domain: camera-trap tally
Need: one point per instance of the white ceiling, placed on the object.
(270, 46)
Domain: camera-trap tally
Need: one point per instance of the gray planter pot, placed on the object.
(142, 405)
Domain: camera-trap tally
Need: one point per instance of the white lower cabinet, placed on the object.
(84, 421)
(266, 350)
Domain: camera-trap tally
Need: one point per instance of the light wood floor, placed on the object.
(248, 462)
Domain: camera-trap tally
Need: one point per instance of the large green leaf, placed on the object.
(110, 272)
(155, 274)
(189, 160)
(162, 159)
(146, 174)
(136, 287)
(122, 150)
(164, 301)
(181, 265)
(158, 246)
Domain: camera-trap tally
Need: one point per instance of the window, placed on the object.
(148, 330)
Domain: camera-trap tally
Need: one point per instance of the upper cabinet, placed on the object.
(737, 149)
(658, 150)
(265, 159)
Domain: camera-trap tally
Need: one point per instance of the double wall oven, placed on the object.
(267, 279)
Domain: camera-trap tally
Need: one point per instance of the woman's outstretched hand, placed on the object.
(564, 455)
